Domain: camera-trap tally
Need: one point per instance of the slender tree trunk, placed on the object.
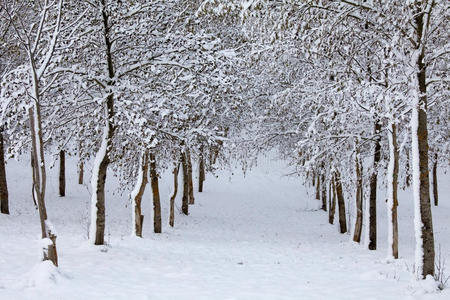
(81, 173)
(408, 171)
(201, 171)
(4, 204)
(190, 180)
(33, 194)
(324, 194)
(101, 163)
(98, 180)
(62, 173)
(332, 202)
(373, 189)
(97, 227)
(136, 196)
(156, 199)
(425, 255)
(359, 198)
(40, 180)
(435, 184)
(341, 203)
(318, 187)
(174, 195)
(211, 154)
(80, 164)
(215, 152)
(392, 202)
(185, 200)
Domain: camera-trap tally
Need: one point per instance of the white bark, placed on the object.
(133, 195)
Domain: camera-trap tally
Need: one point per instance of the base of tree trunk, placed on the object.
(185, 199)
(4, 201)
(174, 195)
(341, 204)
(156, 199)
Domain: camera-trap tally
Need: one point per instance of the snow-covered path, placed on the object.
(253, 237)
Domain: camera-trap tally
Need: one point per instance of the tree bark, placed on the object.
(185, 200)
(97, 227)
(201, 170)
(314, 181)
(97, 233)
(174, 195)
(190, 179)
(80, 164)
(318, 187)
(392, 202)
(435, 184)
(324, 194)
(359, 198)
(425, 254)
(137, 194)
(4, 202)
(332, 202)
(40, 180)
(80, 172)
(33, 194)
(62, 173)
(156, 199)
(341, 203)
(373, 189)
(408, 171)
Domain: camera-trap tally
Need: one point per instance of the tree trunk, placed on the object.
(190, 180)
(408, 171)
(215, 152)
(98, 180)
(359, 198)
(373, 190)
(174, 195)
(424, 260)
(97, 226)
(40, 180)
(211, 154)
(80, 164)
(324, 194)
(392, 202)
(136, 195)
(318, 187)
(4, 204)
(435, 184)
(185, 200)
(156, 199)
(201, 171)
(332, 202)
(80, 172)
(62, 173)
(341, 203)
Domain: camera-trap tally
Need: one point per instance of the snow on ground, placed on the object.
(253, 237)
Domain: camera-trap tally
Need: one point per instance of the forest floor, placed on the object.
(254, 237)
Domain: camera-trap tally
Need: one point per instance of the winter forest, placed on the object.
(224, 149)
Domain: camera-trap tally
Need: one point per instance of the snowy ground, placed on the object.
(257, 237)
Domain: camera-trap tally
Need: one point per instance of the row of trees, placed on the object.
(136, 86)
(352, 93)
